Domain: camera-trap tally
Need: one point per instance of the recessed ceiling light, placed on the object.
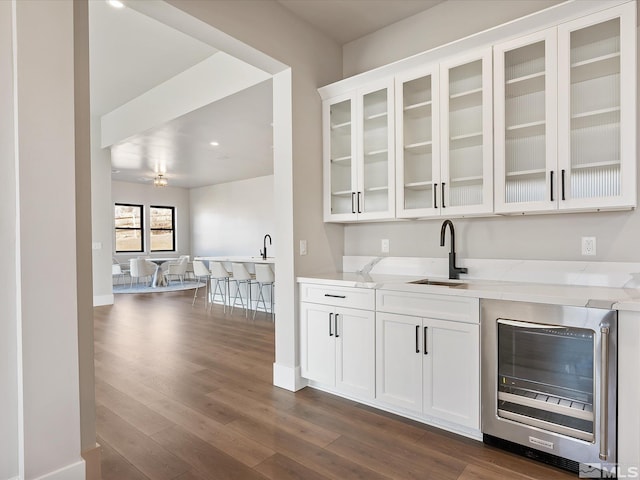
(214, 144)
(115, 3)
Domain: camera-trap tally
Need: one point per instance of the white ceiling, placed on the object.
(131, 53)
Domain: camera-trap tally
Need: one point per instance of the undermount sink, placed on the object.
(442, 283)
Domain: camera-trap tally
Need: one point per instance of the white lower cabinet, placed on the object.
(429, 366)
(338, 348)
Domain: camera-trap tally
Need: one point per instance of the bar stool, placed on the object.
(264, 278)
(220, 275)
(241, 276)
(201, 272)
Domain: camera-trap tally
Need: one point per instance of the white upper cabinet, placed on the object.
(466, 133)
(597, 110)
(417, 143)
(359, 165)
(565, 116)
(525, 116)
(444, 163)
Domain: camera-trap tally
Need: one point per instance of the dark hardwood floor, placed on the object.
(184, 394)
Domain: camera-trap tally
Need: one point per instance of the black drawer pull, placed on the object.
(334, 296)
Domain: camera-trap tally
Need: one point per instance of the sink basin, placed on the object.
(442, 283)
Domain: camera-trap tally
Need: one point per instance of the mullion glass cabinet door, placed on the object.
(597, 54)
(417, 145)
(467, 135)
(375, 196)
(525, 116)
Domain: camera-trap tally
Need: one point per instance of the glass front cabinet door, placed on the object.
(417, 144)
(359, 165)
(466, 133)
(597, 110)
(525, 120)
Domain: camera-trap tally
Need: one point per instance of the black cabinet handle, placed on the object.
(334, 296)
(551, 185)
(442, 193)
(424, 340)
(336, 325)
(353, 202)
(330, 318)
(435, 195)
(417, 338)
(359, 198)
(563, 185)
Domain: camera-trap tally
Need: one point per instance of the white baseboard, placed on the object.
(75, 471)
(99, 300)
(288, 378)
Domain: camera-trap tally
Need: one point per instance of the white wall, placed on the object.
(43, 310)
(139, 194)
(548, 237)
(8, 292)
(232, 218)
(444, 23)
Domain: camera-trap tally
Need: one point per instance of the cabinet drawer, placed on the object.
(362, 298)
(447, 307)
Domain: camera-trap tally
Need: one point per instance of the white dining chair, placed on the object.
(264, 278)
(177, 269)
(140, 268)
(201, 273)
(118, 273)
(241, 276)
(220, 276)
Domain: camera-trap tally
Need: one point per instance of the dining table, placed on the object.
(158, 279)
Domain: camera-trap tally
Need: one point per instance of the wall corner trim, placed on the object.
(75, 471)
(99, 300)
(92, 458)
(288, 378)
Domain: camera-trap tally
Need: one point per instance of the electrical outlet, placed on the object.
(303, 247)
(588, 245)
(384, 245)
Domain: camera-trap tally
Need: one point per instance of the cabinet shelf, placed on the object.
(526, 173)
(416, 106)
(337, 126)
(346, 160)
(584, 166)
(419, 146)
(603, 116)
(474, 178)
(376, 116)
(474, 91)
(419, 186)
(382, 188)
(526, 129)
(342, 193)
(376, 155)
(524, 85)
(595, 67)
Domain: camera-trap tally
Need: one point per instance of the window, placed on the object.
(163, 237)
(128, 223)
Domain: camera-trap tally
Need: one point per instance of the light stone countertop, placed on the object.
(584, 296)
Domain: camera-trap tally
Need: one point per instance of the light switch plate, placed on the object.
(384, 245)
(303, 247)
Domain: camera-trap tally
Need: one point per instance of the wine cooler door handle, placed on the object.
(417, 338)
(330, 318)
(335, 319)
(353, 202)
(551, 185)
(604, 392)
(424, 340)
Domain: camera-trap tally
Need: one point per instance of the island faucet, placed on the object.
(454, 272)
(263, 252)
